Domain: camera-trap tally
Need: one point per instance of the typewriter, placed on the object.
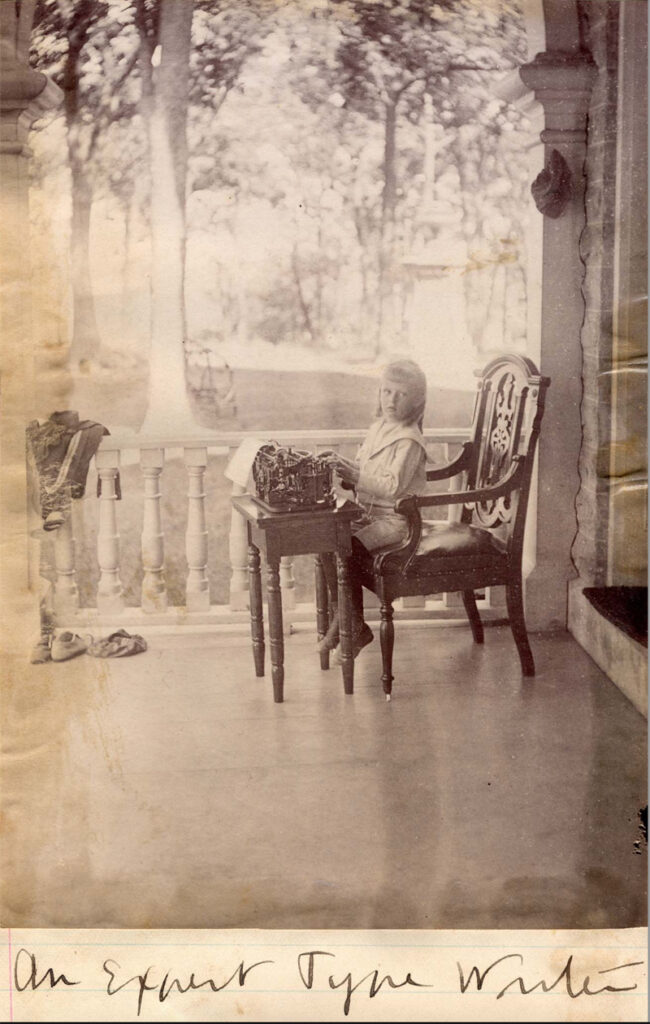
(290, 480)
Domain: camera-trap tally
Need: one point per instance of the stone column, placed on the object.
(562, 83)
(24, 94)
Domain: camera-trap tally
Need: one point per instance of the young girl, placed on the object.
(390, 464)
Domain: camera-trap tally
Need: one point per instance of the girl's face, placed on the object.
(395, 404)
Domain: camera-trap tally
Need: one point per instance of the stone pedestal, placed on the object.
(562, 83)
(438, 336)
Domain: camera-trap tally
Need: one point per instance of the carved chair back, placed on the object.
(507, 415)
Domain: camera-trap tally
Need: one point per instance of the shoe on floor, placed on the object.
(359, 641)
(68, 645)
(42, 651)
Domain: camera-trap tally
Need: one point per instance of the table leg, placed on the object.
(322, 610)
(275, 628)
(257, 614)
(345, 623)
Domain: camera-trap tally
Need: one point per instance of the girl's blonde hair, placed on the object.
(410, 376)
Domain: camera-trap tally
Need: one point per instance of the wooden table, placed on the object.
(297, 533)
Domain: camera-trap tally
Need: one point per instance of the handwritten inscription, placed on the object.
(565, 980)
(146, 982)
(319, 970)
(26, 974)
(306, 970)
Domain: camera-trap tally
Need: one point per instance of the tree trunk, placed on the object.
(390, 183)
(385, 313)
(241, 297)
(302, 301)
(169, 410)
(366, 315)
(319, 276)
(86, 341)
(126, 311)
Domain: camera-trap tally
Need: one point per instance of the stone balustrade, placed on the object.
(150, 454)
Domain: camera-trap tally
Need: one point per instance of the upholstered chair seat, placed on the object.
(443, 544)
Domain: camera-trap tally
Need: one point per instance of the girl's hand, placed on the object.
(346, 469)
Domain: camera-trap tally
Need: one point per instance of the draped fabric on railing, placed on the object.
(442, 445)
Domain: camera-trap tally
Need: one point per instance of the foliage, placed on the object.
(306, 139)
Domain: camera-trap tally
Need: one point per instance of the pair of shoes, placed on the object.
(331, 638)
(42, 651)
(360, 639)
(68, 645)
(118, 645)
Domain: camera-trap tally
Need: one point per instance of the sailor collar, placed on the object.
(382, 434)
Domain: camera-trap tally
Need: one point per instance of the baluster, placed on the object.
(456, 483)
(496, 597)
(287, 582)
(238, 550)
(154, 592)
(416, 601)
(197, 593)
(66, 594)
(109, 589)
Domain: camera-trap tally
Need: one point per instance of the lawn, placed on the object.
(267, 400)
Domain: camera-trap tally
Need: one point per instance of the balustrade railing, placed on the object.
(194, 455)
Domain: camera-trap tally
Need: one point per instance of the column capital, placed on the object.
(562, 82)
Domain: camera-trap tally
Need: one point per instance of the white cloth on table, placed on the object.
(239, 469)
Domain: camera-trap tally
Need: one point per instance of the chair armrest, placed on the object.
(510, 482)
(407, 548)
(452, 468)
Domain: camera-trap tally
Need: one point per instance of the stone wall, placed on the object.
(628, 473)
(612, 459)
(600, 26)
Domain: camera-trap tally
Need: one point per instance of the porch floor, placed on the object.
(168, 790)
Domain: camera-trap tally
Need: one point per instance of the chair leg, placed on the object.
(387, 639)
(472, 614)
(515, 605)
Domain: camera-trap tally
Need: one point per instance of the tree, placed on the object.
(129, 70)
(385, 51)
(61, 34)
(180, 61)
(239, 122)
(165, 31)
(390, 55)
(293, 140)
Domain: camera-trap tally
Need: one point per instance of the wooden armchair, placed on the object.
(484, 549)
